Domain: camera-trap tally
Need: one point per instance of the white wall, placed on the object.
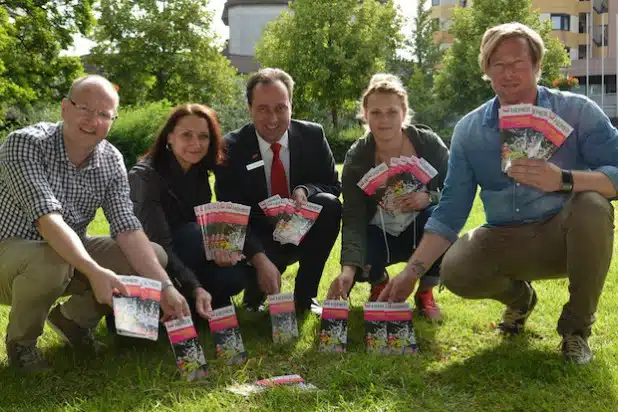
(246, 24)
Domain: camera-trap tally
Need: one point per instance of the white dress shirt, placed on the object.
(267, 156)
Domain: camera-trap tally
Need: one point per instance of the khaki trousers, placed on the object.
(33, 276)
(577, 243)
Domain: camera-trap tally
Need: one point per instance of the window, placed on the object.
(561, 22)
(583, 23)
(435, 2)
(582, 52)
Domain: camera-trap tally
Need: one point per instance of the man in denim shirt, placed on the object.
(545, 219)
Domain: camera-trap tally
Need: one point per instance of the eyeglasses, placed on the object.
(516, 66)
(85, 110)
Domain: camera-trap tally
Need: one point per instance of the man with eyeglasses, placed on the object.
(277, 155)
(545, 219)
(53, 178)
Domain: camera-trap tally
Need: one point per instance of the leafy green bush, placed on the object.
(136, 128)
(17, 118)
(340, 140)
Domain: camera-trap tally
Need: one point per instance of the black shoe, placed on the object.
(26, 358)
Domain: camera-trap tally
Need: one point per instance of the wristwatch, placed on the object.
(567, 182)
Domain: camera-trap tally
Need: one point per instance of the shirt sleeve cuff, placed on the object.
(611, 172)
(435, 226)
(129, 223)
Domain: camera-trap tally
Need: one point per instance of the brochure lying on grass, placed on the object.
(386, 183)
(529, 131)
(283, 317)
(291, 223)
(224, 226)
(189, 355)
(226, 333)
(389, 329)
(334, 326)
(292, 381)
(137, 315)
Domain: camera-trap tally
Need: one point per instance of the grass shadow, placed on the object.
(515, 375)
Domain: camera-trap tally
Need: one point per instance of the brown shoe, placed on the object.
(26, 358)
(73, 334)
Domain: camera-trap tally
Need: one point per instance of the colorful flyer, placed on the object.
(127, 308)
(189, 355)
(226, 333)
(376, 333)
(150, 307)
(401, 336)
(283, 317)
(334, 326)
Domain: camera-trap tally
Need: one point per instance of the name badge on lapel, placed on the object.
(255, 165)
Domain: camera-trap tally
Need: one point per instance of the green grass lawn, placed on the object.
(463, 364)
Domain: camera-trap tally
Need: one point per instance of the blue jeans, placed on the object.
(383, 252)
(221, 282)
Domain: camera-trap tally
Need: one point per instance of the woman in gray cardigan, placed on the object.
(366, 247)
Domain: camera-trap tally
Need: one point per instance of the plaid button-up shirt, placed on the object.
(37, 178)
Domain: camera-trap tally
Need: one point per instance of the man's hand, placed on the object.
(537, 173)
(415, 201)
(203, 303)
(104, 284)
(340, 288)
(173, 304)
(268, 276)
(402, 286)
(224, 258)
(299, 196)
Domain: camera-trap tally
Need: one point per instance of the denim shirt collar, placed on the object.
(490, 117)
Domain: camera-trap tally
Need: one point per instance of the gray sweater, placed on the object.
(359, 208)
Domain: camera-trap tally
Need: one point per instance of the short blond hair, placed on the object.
(387, 83)
(494, 36)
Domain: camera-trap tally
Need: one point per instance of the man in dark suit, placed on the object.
(277, 155)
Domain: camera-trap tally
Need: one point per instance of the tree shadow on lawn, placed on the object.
(514, 376)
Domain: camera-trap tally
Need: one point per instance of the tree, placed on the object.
(426, 55)
(331, 49)
(161, 49)
(459, 83)
(32, 35)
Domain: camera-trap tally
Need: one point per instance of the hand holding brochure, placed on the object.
(386, 183)
(226, 333)
(334, 326)
(224, 227)
(137, 315)
(283, 317)
(189, 355)
(291, 223)
(529, 131)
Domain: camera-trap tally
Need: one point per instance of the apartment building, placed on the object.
(589, 31)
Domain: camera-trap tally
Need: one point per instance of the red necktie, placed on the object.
(278, 180)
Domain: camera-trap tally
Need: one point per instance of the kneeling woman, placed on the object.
(371, 237)
(166, 184)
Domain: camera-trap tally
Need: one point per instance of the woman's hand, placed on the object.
(340, 288)
(415, 201)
